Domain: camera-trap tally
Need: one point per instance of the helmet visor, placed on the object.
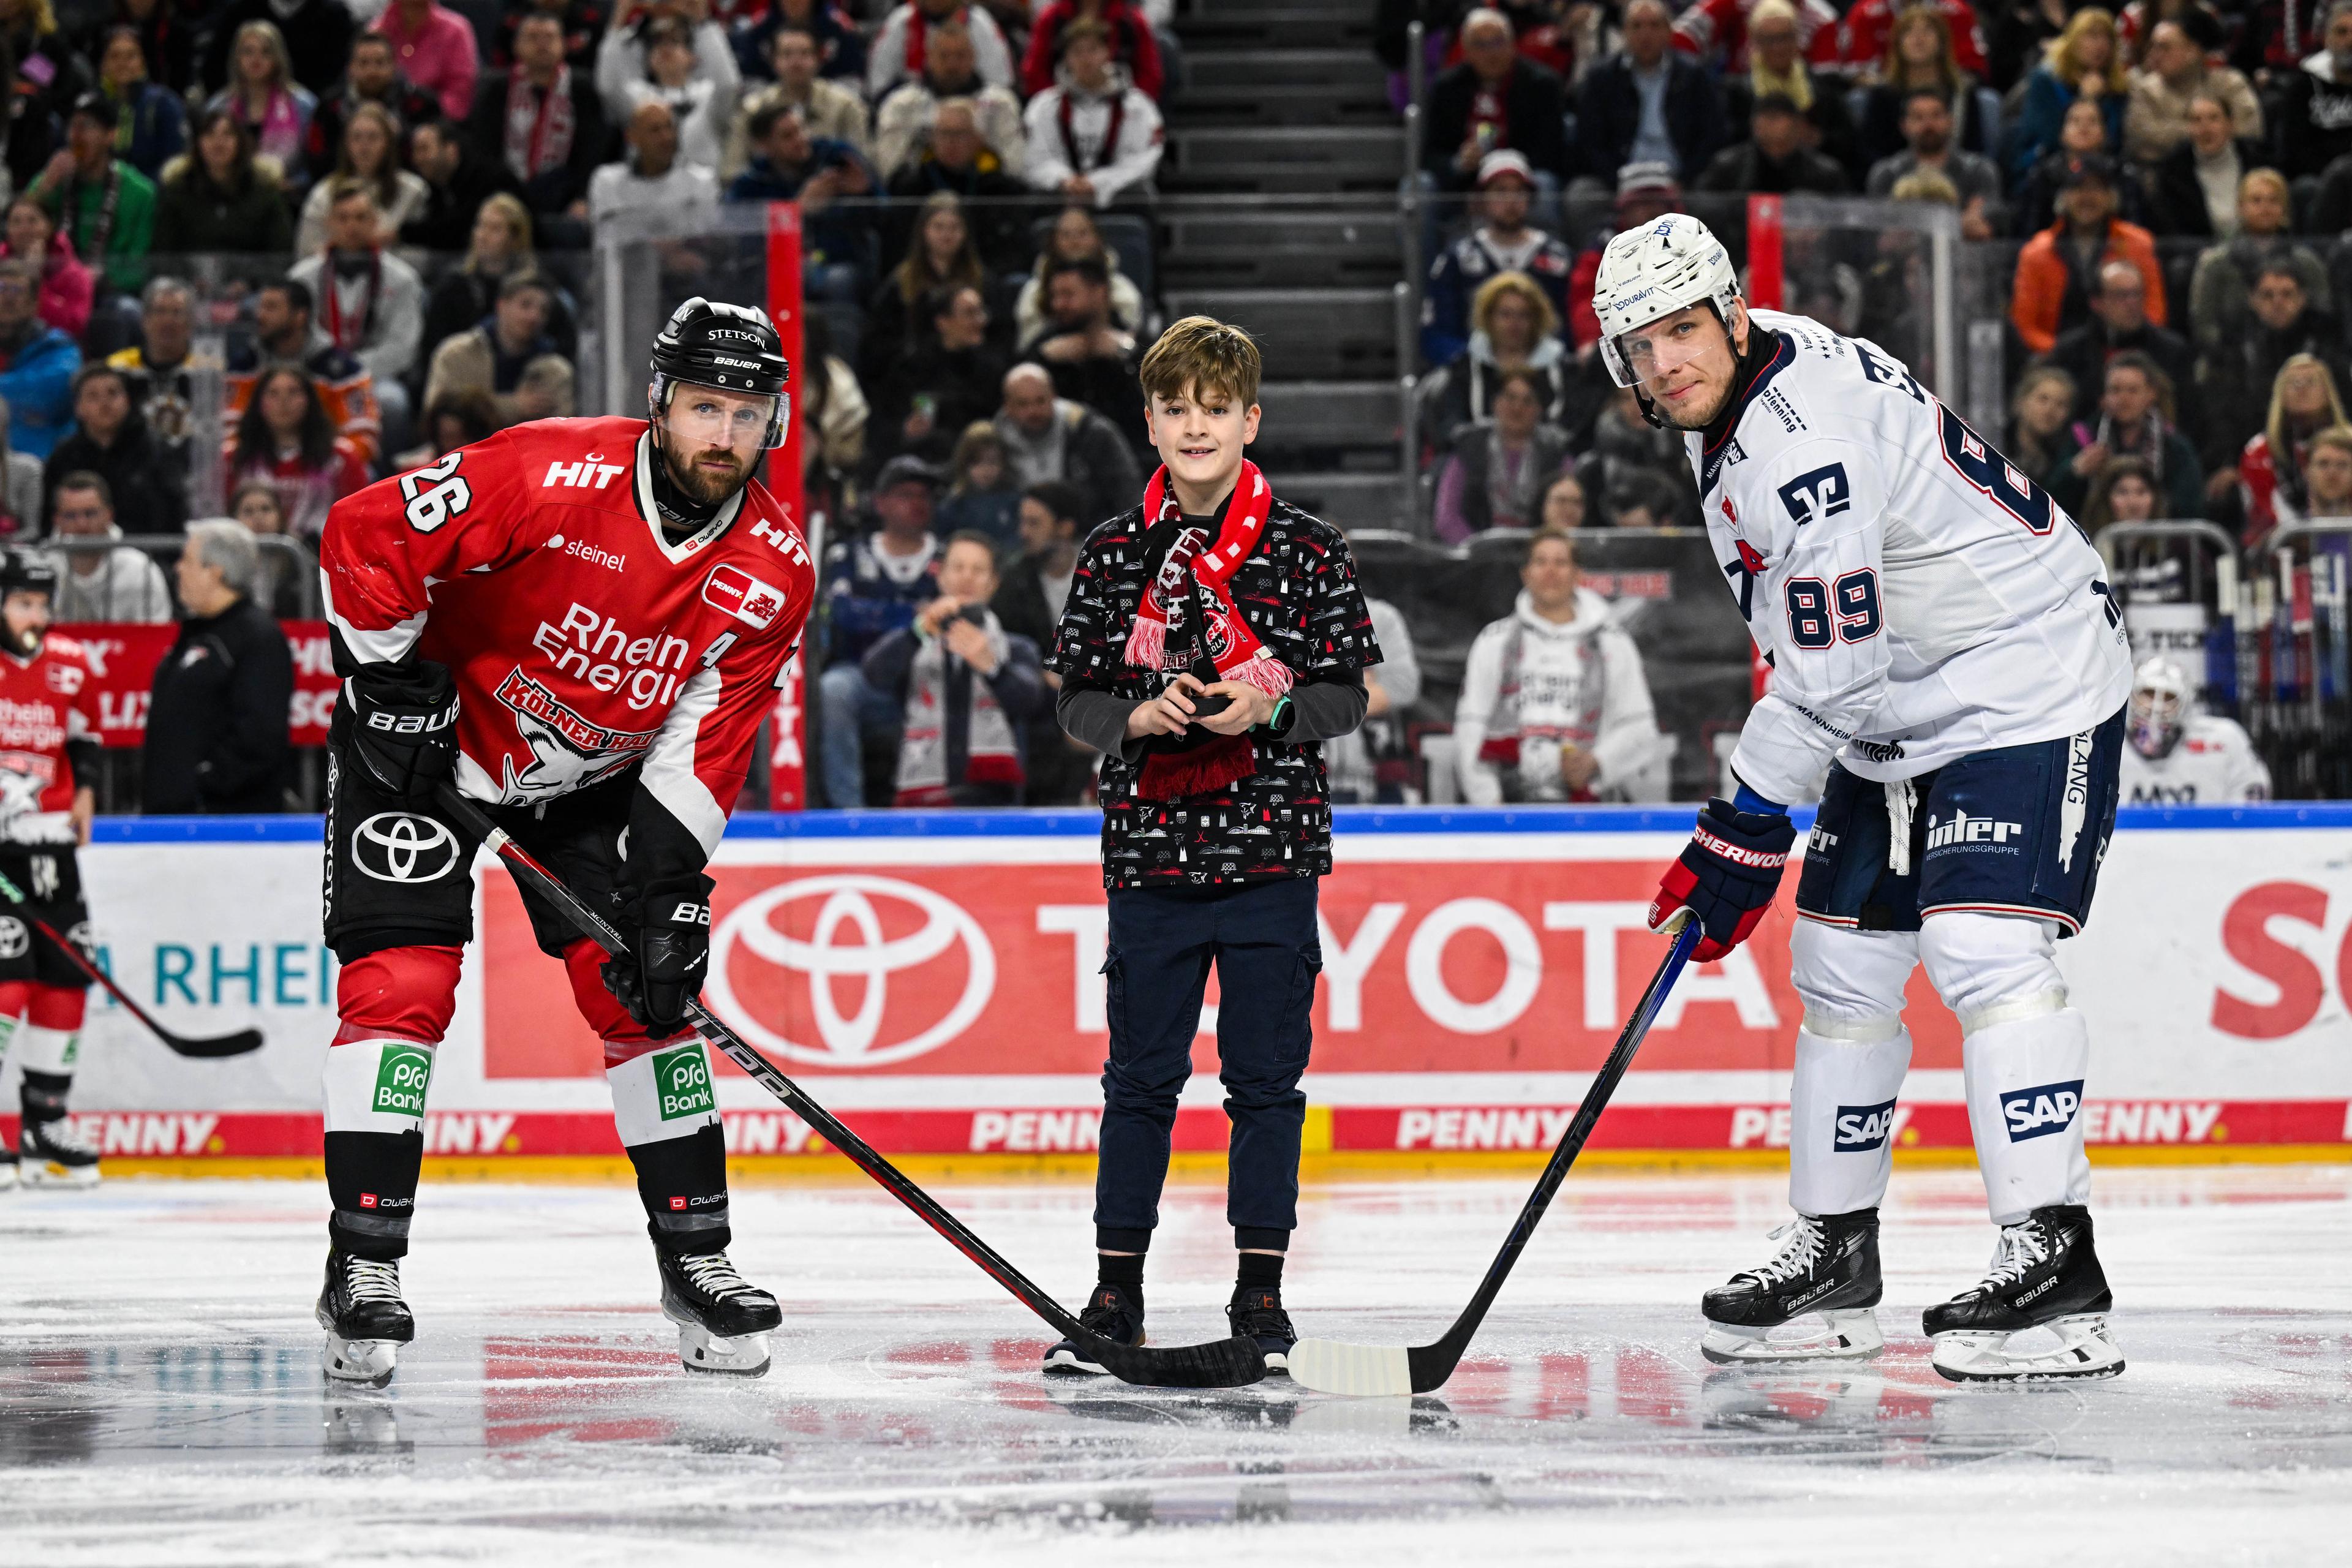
(1645, 357)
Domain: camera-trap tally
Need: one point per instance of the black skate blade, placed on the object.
(1233, 1362)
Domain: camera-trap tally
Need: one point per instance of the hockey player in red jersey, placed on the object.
(48, 746)
(580, 621)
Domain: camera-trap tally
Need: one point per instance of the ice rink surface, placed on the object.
(161, 1400)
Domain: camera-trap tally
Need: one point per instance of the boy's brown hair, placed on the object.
(1202, 354)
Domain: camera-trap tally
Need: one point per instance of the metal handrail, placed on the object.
(2111, 539)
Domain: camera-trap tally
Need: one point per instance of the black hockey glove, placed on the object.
(405, 726)
(668, 925)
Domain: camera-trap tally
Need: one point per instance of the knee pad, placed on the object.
(56, 1007)
(1992, 969)
(406, 992)
(1851, 982)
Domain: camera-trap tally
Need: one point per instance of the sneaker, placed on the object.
(1257, 1314)
(1112, 1313)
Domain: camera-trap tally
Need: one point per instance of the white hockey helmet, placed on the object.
(2159, 707)
(1653, 271)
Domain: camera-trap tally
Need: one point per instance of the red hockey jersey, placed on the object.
(46, 703)
(582, 641)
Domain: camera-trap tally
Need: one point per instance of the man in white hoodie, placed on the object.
(1554, 706)
(1091, 136)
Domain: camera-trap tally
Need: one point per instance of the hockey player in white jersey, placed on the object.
(2178, 756)
(1941, 637)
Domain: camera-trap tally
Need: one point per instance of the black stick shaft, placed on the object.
(1438, 1360)
(864, 1155)
(75, 957)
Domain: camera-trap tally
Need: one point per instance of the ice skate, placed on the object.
(1257, 1314)
(365, 1320)
(722, 1321)
(52, 1154)
(1114, 1315)
(2041, 1312)
(1812, 1302)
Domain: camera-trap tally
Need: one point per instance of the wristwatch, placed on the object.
(1277, 723)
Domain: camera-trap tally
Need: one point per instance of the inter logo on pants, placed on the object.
(683, 1079)
(2037, 1112)
(400, 1078)
(1860, 1127)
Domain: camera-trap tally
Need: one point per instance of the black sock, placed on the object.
(1124, 1270)
(1259, 1271)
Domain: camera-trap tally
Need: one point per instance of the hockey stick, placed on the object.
(1221, 1363)
(236, 1044)
(1329, 1366)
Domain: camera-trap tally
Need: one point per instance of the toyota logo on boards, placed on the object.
(852, 950)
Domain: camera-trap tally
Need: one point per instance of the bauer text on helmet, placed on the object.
(729, 349)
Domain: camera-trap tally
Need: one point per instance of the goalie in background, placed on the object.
(2179, 756)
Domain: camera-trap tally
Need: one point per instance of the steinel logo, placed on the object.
(1860, 1127)
(743, 596)
(2039, 1112)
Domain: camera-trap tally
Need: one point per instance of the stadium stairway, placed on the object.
(1285, 109)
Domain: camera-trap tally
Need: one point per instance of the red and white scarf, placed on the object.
(991, 755)
(538, 134)
(1195, 574)
(1209, 566)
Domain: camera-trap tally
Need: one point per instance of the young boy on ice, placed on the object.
(1214, 637)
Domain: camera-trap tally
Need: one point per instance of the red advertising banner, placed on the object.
(1485, 967)
(124, 657)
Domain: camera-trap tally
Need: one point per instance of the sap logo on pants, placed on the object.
(1863, 1127)
(2037, 1112)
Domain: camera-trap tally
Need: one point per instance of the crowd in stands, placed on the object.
(2164, 193)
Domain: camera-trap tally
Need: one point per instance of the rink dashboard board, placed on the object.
(936, 978)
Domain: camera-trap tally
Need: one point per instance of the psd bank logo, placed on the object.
(847, 954)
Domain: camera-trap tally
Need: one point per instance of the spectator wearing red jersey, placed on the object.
(1866, 37)
(216, 738)
(1132, 43)
(436, 48)
(2272, 481)
(286, 439)
(1716, 30)
(66, 286)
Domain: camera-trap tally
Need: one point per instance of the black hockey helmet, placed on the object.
(27, 571)
(732, 347)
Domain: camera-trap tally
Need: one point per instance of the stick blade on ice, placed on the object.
(1233, 1362)
(1362, 1372)
(239, 1043)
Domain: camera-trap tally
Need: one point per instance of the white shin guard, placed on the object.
(1841, 1113)
(37, 1049)
(2024, 1081)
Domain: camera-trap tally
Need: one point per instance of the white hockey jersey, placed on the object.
(2214, 762)
(1917, 596)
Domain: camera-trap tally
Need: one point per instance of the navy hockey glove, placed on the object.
(668, 925)
(1726, 876)
(405, 726)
